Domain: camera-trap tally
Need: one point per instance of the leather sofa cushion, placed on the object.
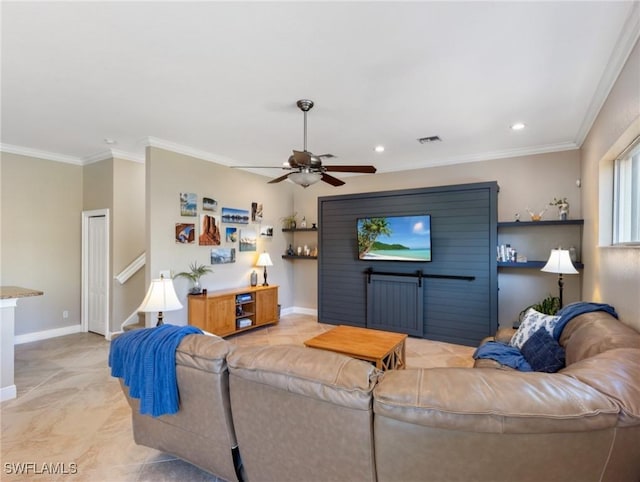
(493, 401)
(319, 374)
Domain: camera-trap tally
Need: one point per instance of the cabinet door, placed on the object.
(221, 315)
(198, 312)
(266, 306)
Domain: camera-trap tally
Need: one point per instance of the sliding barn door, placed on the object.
(394, 303)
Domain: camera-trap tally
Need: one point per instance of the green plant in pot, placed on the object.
(289, 222)
(549, 306)
(195, 272)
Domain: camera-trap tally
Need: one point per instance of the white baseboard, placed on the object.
(299, 310)
(8, 393)
(43, 335)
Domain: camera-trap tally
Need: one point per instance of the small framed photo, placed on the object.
(223, 255)
(248, 240)
(185, 233)
(188, 204)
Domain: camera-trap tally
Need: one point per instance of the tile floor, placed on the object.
(70, 415)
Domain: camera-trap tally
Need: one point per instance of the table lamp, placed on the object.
(560, 262)
(264, 260)
(160, 297)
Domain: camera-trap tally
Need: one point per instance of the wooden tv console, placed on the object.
(227, 312)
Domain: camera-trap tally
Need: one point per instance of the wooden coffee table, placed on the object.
(383, 348)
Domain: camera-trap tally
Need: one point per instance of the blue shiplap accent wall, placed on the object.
(463, 240)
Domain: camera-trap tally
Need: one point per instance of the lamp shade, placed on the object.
(160, 297)
(264, 260)
(305, 179)
(559, 262)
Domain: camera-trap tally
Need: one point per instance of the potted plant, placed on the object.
(289, 222)
(549, 306)
(195, 273)
(563, 207)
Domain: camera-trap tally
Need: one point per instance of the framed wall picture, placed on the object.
(209, 231)
(266, 231)
(231, 234)
(185, 233)
(235, 216)
(248, 240)
(188, 204)
(209, 204)
(223, 255)
(256, 212)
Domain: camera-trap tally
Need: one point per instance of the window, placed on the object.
(626, 196)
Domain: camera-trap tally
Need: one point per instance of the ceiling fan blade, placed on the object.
(334, 181)
(278, 179)
(327, 156)
(362, 169)
(302, 158)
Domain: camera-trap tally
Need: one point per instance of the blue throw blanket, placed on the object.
(505, 354)
(146, 361)
(512, 357)
(572, 310)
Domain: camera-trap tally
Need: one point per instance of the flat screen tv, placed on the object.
(395, 238)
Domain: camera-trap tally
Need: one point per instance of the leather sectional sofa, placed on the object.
(294, 413)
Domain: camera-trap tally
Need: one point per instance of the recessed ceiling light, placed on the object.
(518, 126)
(379, 149)
(108, 140)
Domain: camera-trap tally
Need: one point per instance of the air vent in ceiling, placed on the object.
(426, 140)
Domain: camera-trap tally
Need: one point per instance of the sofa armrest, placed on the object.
(203, 352)
(504, 335)
(492, 401)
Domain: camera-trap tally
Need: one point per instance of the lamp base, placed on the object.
(160, 317)
(265, 277)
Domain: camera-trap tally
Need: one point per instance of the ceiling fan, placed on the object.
(307, 168)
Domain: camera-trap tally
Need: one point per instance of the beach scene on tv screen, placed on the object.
(395, 238)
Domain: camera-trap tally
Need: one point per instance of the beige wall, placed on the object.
(612, 275)
(525, 182)
(128, 237)
(118, 185)
(168, 174)
(41, 217)
(97, 185)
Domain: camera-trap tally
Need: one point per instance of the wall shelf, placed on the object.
(532, 264)
(306, 237)
(527, 224)
(299, 230)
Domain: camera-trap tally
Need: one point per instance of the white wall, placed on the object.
(168, 174)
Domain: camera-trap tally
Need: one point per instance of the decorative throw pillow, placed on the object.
(533, 320)
(543, 352)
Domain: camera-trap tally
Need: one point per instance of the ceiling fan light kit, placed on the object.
(305, 179)
(306, 168)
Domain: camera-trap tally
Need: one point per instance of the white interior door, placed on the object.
(96, 271)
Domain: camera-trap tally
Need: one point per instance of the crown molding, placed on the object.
(77, 161)
(112, 154)
(488, 156)
(189, 151)
(49, 156)
(629, 35)
(127, 156)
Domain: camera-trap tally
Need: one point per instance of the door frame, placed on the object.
(85, 269)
